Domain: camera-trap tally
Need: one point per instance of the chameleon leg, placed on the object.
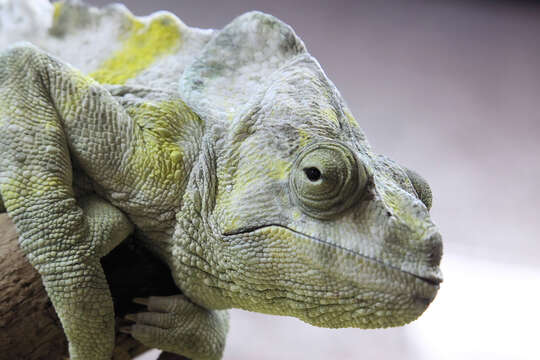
(175, 324)
(107, 227)
(107, 224)
(62, 239)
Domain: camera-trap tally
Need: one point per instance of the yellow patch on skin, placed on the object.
(279, 169)
(232, 225)
(11, 198)
(265, 167)
(17, 190)
(330, 114)
(274, 168)
(158, 156)
(304, 137)
(177, 175)
(145, 44)
(350, 118)
(57, 6)
(82, 85)
(176, 156)
(394, 201)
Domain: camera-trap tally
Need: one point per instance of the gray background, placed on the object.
(449, 88)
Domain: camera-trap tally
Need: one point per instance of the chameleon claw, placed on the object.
(125, 329)
(140, 301)
(131, 317)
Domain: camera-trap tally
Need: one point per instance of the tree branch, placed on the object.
(29, 327)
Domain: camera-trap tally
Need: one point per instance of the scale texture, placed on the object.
(228, 153)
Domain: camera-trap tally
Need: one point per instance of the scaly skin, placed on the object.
(253, 182)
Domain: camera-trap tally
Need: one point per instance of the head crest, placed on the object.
(236, 63)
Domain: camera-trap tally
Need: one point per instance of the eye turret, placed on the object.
(326, 179)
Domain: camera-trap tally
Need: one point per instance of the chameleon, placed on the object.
(231, 156)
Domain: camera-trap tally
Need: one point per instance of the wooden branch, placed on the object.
(29, 327)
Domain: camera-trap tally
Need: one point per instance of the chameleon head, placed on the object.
(307, 220)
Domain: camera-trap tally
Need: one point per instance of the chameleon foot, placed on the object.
(175, 324)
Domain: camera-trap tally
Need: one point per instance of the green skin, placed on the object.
(280, 208)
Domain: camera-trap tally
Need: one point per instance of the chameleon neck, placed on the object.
(167, 143)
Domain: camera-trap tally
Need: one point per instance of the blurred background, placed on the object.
(452, 90)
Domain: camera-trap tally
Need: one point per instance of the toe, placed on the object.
(161, 320)
(141, 301)
(131, 317)
(125, 329)
(167, 304)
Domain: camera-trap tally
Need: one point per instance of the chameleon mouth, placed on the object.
(432, 279)
(349, 288)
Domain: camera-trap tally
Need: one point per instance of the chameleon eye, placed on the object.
(326, 179)
(313, 174)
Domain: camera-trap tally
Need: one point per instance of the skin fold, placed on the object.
(246, 173)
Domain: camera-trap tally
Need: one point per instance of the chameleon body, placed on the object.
(232, 156)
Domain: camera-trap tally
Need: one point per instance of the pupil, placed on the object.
(312, 173)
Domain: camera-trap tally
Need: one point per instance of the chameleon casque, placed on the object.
(230, 153)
